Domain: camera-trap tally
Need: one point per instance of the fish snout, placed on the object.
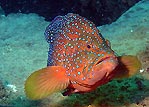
(103, 68)
(106, 64)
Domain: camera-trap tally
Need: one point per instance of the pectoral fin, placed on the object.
(46, 81)
(128, 66)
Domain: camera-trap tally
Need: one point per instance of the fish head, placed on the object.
(97, 57)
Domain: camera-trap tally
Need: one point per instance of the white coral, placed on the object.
(13, 87)
(141, 70)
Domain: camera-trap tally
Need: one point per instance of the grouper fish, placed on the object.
(79, 60)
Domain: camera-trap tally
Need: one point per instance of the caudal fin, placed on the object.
(46, 81)
(128, 66)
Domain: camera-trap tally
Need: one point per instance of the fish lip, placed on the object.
(105, 58)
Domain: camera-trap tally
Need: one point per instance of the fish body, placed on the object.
(78, 46)
(79, 59)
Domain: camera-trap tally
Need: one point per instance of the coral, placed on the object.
(115, 93)
(144, 103)
(144, 58)
(4, 95)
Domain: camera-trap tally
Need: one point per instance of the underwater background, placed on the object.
(23, 49)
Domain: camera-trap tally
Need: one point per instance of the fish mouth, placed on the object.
(105, 59)
(103, 69)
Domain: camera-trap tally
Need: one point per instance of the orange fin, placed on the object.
(128, 66)
(46, 81)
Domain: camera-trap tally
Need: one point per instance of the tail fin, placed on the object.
(128, 66)
(46, 81)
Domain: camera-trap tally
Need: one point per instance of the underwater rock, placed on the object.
(99, 11)
(1, 11)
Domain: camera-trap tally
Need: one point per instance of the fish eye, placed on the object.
(88, 46)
